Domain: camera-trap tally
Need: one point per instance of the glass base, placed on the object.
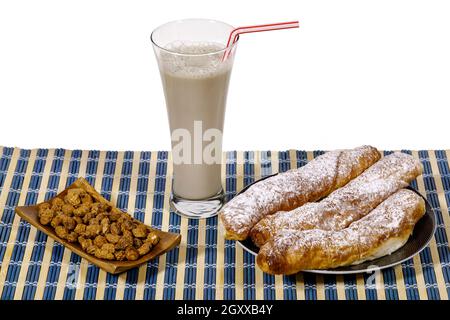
(198, 209)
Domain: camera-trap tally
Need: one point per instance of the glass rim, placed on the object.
(229, 47)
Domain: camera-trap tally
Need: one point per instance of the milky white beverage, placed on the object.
(195, 87)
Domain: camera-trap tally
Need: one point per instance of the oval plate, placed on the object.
(422, 234)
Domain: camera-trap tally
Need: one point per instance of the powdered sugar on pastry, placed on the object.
(391, 222)
(346, 204)
(295, 187)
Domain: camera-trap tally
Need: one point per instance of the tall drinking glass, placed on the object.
(195, 65)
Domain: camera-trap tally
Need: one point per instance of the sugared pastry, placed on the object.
(291, 189)
(381, 232)
(347, 204)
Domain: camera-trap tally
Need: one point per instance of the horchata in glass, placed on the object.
(195, 64)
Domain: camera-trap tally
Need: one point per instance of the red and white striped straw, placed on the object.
(234, 35)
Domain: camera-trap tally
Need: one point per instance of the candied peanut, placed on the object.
(102, 254)
(94, 221)
(80, 228)
(86, 199)
(109, 247)
(114, 229)
(99, 241)
(87, 217)
(92, 230)
(46, 216)
(73, 196)
(44, 206)
(112, 238)
(132, 254)
(137, 242)
(67, 209)
(105, 225)
(140, 231)
(106, 208)
(95, 207)
(85, 243)
(125, 241)
(81, 210)
(91, 249)
(57, 204)
(99, 217)
(128, 233)
(120, 255)
(125, 217)
(69, 223)
(145, 248)
(56, 221)
(78, 220)
(72, 237)
(152, 238)
(61, 232)
(126, 225)
(115, 216)
(105, 252)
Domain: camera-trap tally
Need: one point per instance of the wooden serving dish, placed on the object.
(168, 240)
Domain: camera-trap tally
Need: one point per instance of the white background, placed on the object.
(81, 74)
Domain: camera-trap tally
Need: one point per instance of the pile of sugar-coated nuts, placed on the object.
(100, 229)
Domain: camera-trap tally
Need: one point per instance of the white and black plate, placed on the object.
(422, 234)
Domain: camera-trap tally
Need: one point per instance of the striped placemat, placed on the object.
(204, 266)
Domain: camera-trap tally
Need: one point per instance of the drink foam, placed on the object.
(194, 59)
